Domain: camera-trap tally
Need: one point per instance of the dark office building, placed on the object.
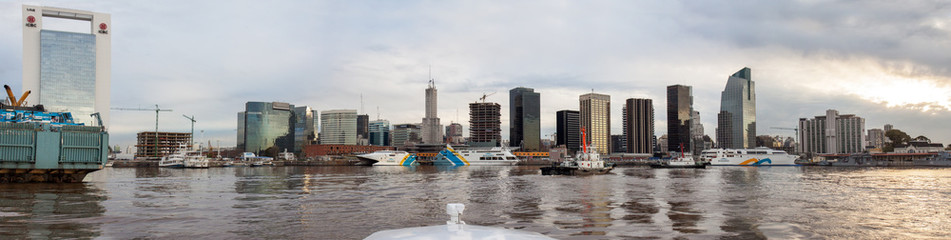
(638, 119)
(679, 107)
(524, 119)
(363, 127)
(618, 144)
(568, 130)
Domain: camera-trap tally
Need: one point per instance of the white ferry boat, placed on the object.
(748, 157)
(476, 157)
(387, 158)
(174, 160)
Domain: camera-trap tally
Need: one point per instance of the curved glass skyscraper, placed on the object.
(736, 122)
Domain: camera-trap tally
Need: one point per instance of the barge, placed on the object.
(41, 146)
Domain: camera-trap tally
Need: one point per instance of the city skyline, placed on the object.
(881, 69)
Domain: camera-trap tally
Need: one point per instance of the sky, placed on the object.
(885, 61)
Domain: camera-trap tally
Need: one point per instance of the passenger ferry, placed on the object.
(748, 157)
(476, 156)
(387, 158)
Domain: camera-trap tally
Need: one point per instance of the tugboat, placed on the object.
(42, 146)
(585, 163)
(681, 162)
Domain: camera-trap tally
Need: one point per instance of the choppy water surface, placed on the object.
(352, 202)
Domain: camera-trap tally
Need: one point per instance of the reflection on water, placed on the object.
(50, 211)
(352, 202)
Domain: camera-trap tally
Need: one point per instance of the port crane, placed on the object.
(157, 110)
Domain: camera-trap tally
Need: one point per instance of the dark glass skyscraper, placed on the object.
(524, 119)
(638, 119)
(679, 107)
(568, 130)
(736, 122)
(363, 127)
(266, 125)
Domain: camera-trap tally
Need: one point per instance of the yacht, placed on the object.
(748, 157)
(174, 160)
(387, 158)
(476, 156)
(195, 161)
(250, 159)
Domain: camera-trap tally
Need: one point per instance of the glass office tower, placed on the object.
(524, 119)
(736, 122)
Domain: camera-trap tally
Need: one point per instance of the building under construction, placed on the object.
(154, 146)
(485, 124)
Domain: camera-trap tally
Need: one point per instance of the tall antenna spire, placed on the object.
(378, 113)
(361, 104)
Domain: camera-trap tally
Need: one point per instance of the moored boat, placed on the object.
(496, 156)
(45, 146)
(387, 158)
(587, 162)
(174, 160)
(748, 157)
(683, 161)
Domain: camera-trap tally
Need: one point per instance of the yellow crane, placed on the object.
(13, 99)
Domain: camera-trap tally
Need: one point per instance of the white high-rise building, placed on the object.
(832, 133)
(432, 130)
(68, 71)
(338, 127)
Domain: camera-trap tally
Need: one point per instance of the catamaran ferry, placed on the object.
(748, 157)
(475, 157)
(387, 158)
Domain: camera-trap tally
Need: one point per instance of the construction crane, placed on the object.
(796, 130)
(157, 110)
(191, 138)
(485, 96)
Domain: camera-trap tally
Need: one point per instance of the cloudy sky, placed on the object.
(886, 61)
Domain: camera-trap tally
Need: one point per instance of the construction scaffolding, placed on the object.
(485, 126)
(154, 146)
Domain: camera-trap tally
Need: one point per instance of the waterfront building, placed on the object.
(363, 129)
(338, 127)
(454, 134)
(679, 109)
(485, 126)
(568, 130)
(736, 122)
(431, 129)
(524, 119)
(876, 138)
(266, 124)
(68, 71)
(318, 150)
(406, 134)
(305, 127)
(638, 121)
(697, 143)
(618, 144)
(379, 132)
(661, 144)
(154, 145)
(919, 146)
(832, 133)
(595, 116)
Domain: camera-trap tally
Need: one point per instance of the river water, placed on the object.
(353, 202)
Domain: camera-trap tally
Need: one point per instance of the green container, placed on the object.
(40, 152)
